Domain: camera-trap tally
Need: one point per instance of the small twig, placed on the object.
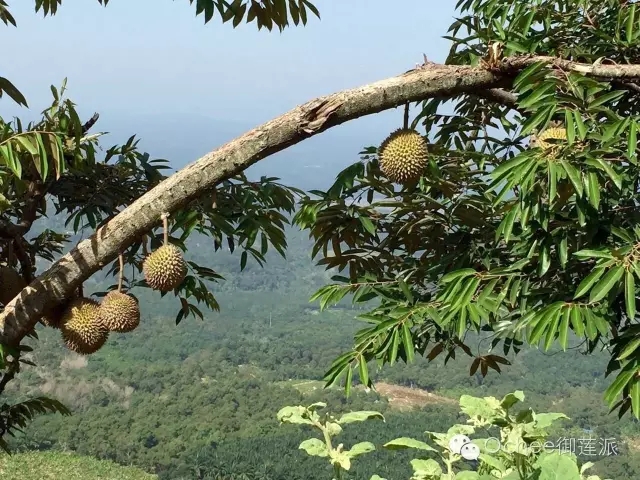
(406, 116)
(121, 273)
(165, 226)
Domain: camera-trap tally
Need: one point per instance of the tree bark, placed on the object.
(304, 121)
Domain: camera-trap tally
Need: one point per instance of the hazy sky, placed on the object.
(151, 67)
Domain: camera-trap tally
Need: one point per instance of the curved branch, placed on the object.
(304, 121)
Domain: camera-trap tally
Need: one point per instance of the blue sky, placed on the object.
(151, 67)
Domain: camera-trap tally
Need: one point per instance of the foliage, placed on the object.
(529, 242)
(329, 426)
(518, 453)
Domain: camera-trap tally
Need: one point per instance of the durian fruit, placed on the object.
(81, 327)
(403, 156)
(555, 133)
(119, 312)
(11, 284)
(165, 268)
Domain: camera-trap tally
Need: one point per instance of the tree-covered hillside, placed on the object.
(202, 396)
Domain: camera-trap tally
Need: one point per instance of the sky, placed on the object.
(152, 68)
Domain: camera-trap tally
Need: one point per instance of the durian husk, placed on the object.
(165, 268)
(554, 133)
(403, 155)
(81, 327)
(119, 312)
(11, 284)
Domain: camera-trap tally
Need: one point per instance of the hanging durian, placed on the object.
(165, 268)
(557, 134)
(119, 312)
(82, 330)
(403, 154)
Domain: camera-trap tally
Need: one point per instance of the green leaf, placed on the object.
(563, 251)
(462, 273)
(634, 393)
(557, 466)
(576, 321)
(607, 98)
(631, 16)
(631, 347)
(574, 177)
(294, 415)
(593, 187)
(570, 126)
(406, 442)
(582, 129)
(603, 287)
(604, 166)
(407, 342)
(360, 417)
(10, 89)
(617, 386)
(468, 475)
(368, 225)
(425, 468)
(360, 448)
(585, 285)
(632, 141)
(563, 332)
(364, 372)
(511, 399)
(593, 254)
(314, 447)
(630, 294)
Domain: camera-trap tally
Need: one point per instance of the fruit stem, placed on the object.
(121, 274)
(80, 291)
(406, 116)
(165, 226)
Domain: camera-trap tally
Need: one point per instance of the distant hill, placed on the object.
(67, 466)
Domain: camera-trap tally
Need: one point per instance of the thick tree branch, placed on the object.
(312, 118)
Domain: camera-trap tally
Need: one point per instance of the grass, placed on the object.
(64, 466)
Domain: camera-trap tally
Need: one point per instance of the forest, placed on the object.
(199, 400)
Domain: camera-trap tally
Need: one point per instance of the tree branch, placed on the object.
(312, 118)
(500, 96)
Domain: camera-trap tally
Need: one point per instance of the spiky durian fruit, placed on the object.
(119, 312)
(403, 156)
(82, 330)
(165, 268)
(558, 134)
(11, 283)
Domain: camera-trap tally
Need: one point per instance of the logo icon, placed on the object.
(462, 445)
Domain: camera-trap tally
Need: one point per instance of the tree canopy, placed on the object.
(522, 228)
